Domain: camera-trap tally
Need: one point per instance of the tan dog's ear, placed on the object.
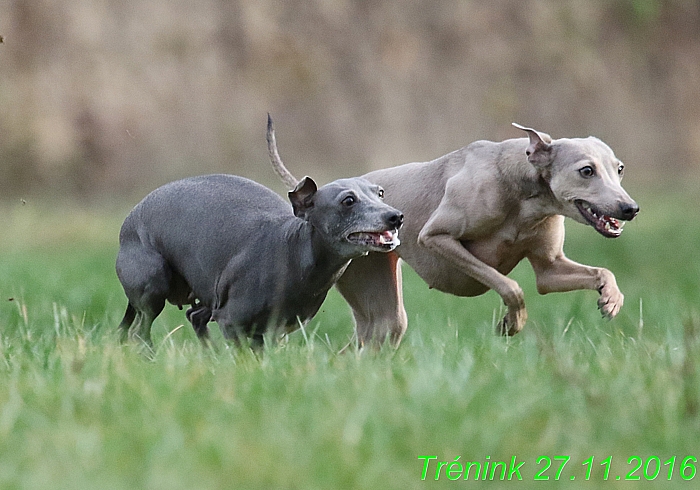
(302, 196)
(539, 152)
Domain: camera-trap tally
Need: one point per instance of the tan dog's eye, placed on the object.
(381, 193)
(587, 172)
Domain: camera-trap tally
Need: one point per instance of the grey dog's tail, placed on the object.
(289, 180)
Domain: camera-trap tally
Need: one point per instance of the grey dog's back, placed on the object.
(199, 224)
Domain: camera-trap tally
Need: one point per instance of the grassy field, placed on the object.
(80, 411)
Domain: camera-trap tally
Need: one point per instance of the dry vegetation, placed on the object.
(112, 96)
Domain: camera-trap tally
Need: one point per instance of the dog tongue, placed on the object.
(389, 237)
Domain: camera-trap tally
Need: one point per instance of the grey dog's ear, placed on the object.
(539, 152)
(302, 196)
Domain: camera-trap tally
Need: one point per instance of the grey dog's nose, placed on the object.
(629, 210)
(394, 219)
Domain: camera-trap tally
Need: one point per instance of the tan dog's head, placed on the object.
(584, 176)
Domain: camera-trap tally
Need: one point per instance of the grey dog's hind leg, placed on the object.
(145, 276)
(199, 315)
(137, 324)
(127, 321)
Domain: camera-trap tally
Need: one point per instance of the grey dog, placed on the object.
(472, 215)
(237, 253)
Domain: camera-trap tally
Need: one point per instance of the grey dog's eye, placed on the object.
(381, 193)
(348, 201)
(587, 172)
(620, 169)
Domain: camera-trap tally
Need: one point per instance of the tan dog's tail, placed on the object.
(289, 180)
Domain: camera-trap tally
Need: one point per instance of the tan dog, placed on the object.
(472, 215)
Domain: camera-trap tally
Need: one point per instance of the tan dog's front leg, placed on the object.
(511, 292)
(562, 274)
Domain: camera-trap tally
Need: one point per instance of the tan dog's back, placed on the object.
(478, 188)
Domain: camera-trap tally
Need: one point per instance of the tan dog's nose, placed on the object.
(629, 210)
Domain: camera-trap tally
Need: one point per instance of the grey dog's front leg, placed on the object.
(563, 274)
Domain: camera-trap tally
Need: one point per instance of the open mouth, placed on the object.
(379, 240)
(606, 225)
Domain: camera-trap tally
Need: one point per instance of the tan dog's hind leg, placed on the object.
(562, 275)
(372, 287)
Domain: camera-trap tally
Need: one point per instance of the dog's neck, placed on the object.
(315, 260)
(309, 268)
(531, 187)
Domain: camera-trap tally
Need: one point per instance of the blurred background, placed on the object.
(106, 98)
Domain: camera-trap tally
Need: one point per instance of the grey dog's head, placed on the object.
(584, 175)
(350, 214)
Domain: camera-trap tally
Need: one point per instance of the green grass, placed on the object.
(79, 410)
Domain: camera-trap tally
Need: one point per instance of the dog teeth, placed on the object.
(389, 238)
(590, 210)
(384, 238)
(602, 222)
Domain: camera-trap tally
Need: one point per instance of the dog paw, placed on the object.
(513, 322)
(610, 301)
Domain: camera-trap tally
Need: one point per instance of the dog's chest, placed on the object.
(505, 247)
